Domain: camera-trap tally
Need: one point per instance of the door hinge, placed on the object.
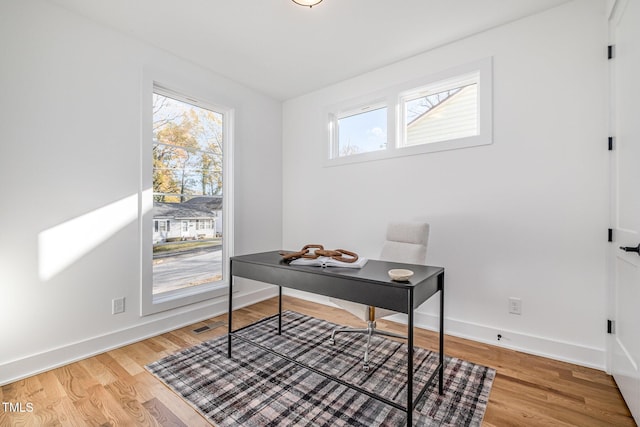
(610, 51)
(611, 326)
(610, 143)
(610, 235)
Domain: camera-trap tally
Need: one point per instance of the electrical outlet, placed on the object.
(502, 337)
(515, 305)
(117, 305)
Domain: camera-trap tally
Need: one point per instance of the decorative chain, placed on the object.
(318, 251)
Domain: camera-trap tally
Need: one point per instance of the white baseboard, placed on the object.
(577, 354)
(41, 362)
(564, 351)
(540, 346)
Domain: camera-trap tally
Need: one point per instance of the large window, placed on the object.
(444, 111)
(188, 208)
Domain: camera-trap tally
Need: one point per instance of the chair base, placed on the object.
(370, 330)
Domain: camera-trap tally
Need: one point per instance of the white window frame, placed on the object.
(430, 89)
(334, 143)
(150, 303)
(393, 97)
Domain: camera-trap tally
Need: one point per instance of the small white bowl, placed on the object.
(400, 274)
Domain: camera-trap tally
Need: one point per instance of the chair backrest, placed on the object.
(406, 242)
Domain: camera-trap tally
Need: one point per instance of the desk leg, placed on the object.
(410, 359)
(441, 373)
(279, 310)
(230, 314)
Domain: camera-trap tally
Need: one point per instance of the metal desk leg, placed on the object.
(279, 310)
(230, 314)
(410, 359)
(441, 373)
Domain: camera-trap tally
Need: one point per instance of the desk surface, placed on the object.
(368, 285)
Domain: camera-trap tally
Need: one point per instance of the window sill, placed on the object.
(392, 153)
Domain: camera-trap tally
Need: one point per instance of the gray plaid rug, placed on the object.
(257, 389)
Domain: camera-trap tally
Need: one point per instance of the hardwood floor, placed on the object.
(114, 388)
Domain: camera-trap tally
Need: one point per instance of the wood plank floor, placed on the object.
(114, 388)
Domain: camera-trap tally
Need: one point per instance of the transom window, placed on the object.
(442, 111)
(449, 110)
(362, 131)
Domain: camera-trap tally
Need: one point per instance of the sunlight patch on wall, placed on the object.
(62, 245)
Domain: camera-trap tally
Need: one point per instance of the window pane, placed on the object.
(187, 194)
(442, 112)
(362, 132)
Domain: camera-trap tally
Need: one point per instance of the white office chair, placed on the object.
(406, 242)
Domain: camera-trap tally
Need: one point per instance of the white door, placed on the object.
(625, 342)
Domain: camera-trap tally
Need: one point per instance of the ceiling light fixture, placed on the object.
(309, 3)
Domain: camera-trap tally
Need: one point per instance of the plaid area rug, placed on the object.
(257, 389)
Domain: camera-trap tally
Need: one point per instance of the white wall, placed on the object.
(524, 217)
(70, 126)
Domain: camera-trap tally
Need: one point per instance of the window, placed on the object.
(183, 260)
(448, 110)
(441, 111)
(361, 131)
(187, 181)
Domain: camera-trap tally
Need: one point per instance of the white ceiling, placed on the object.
(285, 50)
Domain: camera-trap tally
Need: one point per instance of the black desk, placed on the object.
(369, 285)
